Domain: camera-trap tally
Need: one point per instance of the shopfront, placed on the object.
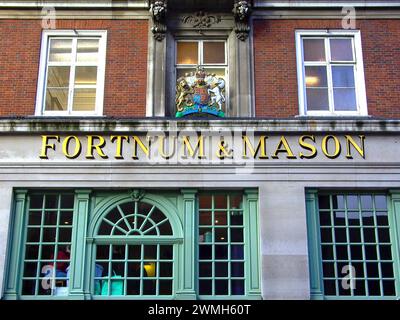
(200, 213)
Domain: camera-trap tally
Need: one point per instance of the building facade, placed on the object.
(199, 149)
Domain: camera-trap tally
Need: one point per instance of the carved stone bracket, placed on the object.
(158, 11)
(242, 12)
(201, 20)
(137, 194)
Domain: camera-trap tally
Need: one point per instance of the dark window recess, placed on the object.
(356, 242)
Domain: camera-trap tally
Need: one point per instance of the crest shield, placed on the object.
(201, 95)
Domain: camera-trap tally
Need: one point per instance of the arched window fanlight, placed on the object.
(130, 260)
(135, 219)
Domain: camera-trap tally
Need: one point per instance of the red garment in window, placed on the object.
(61, 266)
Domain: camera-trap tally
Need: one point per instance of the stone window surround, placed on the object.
(161, 89)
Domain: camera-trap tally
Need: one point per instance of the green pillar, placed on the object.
(251, 224)
(15, 246)
(81, 213)
(314, 249)
(187, 263)
(394, 223)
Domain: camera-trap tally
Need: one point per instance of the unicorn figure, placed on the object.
(217, 93)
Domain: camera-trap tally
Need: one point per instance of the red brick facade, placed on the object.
(126, 67)
(276, 71)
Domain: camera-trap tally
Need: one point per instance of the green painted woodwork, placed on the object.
(359, 229)
(82, 198)
(187, 285)
(15, 244)
(90, 209)
(228, 256)
(253, 248)
(314, 248)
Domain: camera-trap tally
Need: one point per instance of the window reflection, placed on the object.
(221, 245)
(354, 232)
(48, 248)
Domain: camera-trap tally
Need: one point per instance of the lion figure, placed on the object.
(183, 94)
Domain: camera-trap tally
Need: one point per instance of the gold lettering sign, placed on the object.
(246, 148)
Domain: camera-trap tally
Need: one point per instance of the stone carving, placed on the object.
(201, 20)
(158, 10)
(242, 12)
(200, 92)
(137, 194)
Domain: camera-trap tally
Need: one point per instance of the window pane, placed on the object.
(84, 100)
(187, 53)
(57, 88)
(317, 99)
(237, 287)
(380, 202)
(165, 287)
(341, 49)
(205, 269)
(343, 76)
(86, 76)
(314, 49)
(344, 88)
(60, 50)
(316, 77)
(366, 202)
(87, 50)
(58, 77)
(205, 202)
(345, 99)
(35, 218)
(205, 218)
(220, 218)
(205, 287)
(214, 52)
(220, 202)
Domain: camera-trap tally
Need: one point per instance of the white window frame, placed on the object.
(42, 78)
(359, 78)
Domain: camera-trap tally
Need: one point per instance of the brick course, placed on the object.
(126, 66)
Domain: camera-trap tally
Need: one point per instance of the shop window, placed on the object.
(47, 247)
(330, 73)
(71, 80)
(116, 246)
(357, 249)
(221, 245)
(130, 258)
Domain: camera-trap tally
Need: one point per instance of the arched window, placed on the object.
(134, 250)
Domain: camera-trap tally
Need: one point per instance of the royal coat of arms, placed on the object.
(200, 92)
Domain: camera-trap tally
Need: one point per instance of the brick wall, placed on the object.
(126, 67)
(276, 73)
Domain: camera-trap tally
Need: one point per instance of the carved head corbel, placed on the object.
(242, 12)
(158, 11)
